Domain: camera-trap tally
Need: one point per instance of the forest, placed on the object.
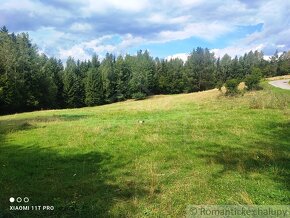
(33, 81)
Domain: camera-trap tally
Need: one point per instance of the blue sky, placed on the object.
(167, 28)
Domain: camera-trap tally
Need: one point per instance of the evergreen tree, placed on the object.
(73, 87)
(236, 69)
(252, 80)
(46, 86)
(200, 70)
(109, 78)
(283, 64)
(4, 29)
(162, 77)
(142, 82)
(174, 76)
(94, 88)
(94, 84)
(225, 68)
(11, 83)
(123, 73)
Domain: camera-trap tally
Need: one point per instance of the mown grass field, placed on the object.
(198, 148)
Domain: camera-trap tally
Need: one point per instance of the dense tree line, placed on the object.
(33, 81)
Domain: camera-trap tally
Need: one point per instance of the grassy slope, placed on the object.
(199, 148)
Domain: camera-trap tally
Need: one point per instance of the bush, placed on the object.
(120, 97)
(232, 87)
(219, 85)
(252, 80)
(138, 96)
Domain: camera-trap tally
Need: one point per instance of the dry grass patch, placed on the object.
(154, 139)
(162, 102)
(278, 77)
(269, 100)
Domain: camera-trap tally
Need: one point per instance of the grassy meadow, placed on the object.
(197, 148)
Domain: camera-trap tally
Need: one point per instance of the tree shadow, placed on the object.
(13, 125)
(8, 126)
(80, 185)
(70, 117)
(76, 184)
(271, 154)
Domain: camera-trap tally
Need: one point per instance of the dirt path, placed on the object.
(283, 84)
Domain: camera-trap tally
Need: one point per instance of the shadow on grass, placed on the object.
(76, 184)
(12, 125)
(270, 155)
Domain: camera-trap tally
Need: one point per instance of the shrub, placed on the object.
(138, 95)
(252, 80)
(120, 97)
(219, 85)
(232, 87)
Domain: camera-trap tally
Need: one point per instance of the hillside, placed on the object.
(197, 148)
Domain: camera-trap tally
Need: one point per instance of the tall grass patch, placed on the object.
(269, 100)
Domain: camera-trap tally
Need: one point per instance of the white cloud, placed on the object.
(208, 31)
(157, 18)
(274, 34)
(236, 50)
(81, 50)
(267, 57)
(100, 46)
(35, 8)
(48, 37)
(182, 56)
(46, 34)
(76, 52)
(129, 40)
(191, 2)
(81, 27)
(103, 6)
(15, 5)
(281, 46)
(141, 22)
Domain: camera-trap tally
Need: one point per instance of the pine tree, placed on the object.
(199, 70)
(46, 86)
(163, 77)
(123, 73)
(283, 64)
(94, 84)
(225, 68)
(4, 29)
(109, 77)
(236, 69)
(174, 76)
(73, 87)
(142, 82)
(94, 88)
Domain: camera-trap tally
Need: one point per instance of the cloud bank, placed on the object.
(78, 28)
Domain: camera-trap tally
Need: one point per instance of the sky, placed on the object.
(166, 28)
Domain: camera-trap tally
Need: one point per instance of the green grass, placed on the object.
(199, 148)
